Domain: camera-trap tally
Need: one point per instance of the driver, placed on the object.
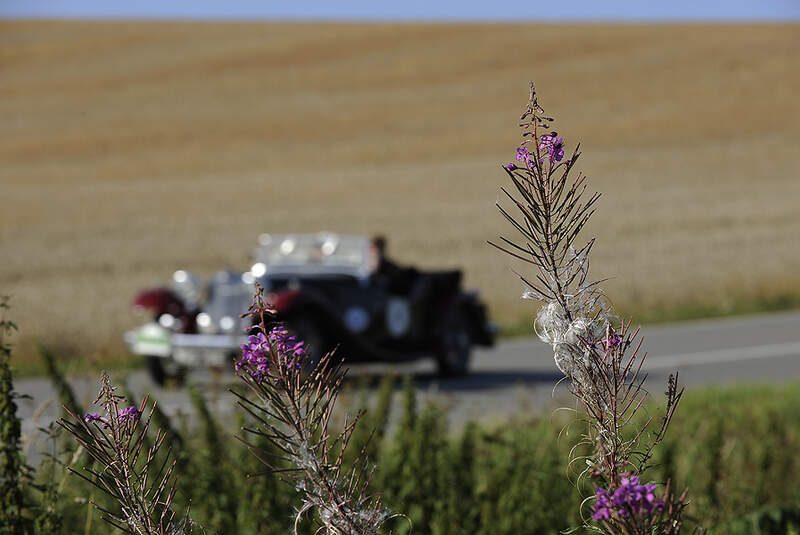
(393, 278)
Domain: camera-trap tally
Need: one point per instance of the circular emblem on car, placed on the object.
(356, 319)
(398, 317)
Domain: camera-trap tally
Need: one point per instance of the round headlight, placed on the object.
(258, 269)
(204, 322)
(328, 247)
(167, 321)
(226, 323)
(287, 246)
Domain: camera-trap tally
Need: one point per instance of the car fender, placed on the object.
(300, 302)
(283, 301)
(159, 301)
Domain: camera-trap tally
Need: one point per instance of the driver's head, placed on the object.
(379, 245)
(377, 251)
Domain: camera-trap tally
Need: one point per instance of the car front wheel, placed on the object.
(307, 330)
(164, 370)
(453, 353)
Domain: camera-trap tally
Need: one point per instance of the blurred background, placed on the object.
(140, 139)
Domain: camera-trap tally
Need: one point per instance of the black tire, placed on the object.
(455, 344)
(164, 370)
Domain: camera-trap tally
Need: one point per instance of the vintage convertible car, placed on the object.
(329, 290)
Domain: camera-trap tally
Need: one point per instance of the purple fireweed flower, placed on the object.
(631, 497)
(613, 340)
(553, 146)
(603, 506)
(130, 413)
(287, 344)
(511, 166)
(523, 155)
(255, 357)
(257, 352)
(93, 417)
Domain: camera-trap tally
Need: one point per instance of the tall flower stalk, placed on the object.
(600, 355)
(295, 396)
(132, 470)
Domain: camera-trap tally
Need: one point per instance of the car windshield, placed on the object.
(318, 252)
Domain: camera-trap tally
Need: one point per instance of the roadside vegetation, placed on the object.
(507, 478)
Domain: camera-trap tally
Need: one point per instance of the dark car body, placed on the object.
(324, 288)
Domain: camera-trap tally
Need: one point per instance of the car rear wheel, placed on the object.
(164, 370)
(455, 345)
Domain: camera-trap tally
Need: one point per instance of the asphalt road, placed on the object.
(515, 377)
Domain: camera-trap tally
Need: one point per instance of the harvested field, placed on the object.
(132, 149)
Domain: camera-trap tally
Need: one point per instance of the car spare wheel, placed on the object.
(453, 353)
(164, 370)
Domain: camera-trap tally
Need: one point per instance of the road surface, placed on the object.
(516, 376)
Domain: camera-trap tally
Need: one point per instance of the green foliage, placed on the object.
(740, 465)
(390, 477)
(213, 488)
(66, 397)
(766, 520)
(422, 473)
(25, 507)
(49, 521)
(374, 421)
(735, 448)
(264, 503)
(457, 510)
(13, 471)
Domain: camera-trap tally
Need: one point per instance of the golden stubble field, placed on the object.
(129, 150)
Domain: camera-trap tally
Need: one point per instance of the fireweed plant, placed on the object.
(599, 355)
(295, 395)
(131, 469)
